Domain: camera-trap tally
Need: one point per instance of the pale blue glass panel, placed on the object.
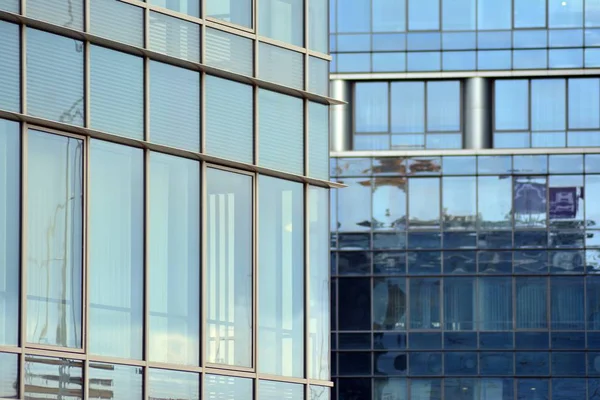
(220, 387)
(174, 106)
(565, 14)
(389, 15)
(318, 225)
(228, 339)
(54, 77)
(408, 142)
(116, 251)
(530, 39)
(566, 38)
(332, 43)
(592, 37)
(58, 12)
(530, 13)
(443, 141)
(56, 378)
(125, 382)
(280, 65)
(174, 37)
(389, 42)
(371, 106)
(319, 393)
(228, 126)
(174, 259)
(548, 108)
(117, 92)
(584, 103)
(424, 41)
(318, 29)
(548, 139)
(332, 16)
(459, 40)
(271, 390)
(10, 67)
(494, 40)
(9, 234)
(458, 15)
(10, 5)
(353, 16)
(354, 42)
(511, 104)
(424, 61)
(493, 59)
(54, 239)
(511, 140)
(189, 7)
(371, 142)
(237, 12)
(458, 60)
(583, 139)
(128, 28)
(318, 76)
(443, 106)
(9, 376)
(229, 52)
(318, 140)
(494, 199)
(494, 14)
(592, 58)
(592, 13)
(389, 62)
(281, 136)
(282, 20)
(281, 268)
(357, 62)
(423, 15)
(424, 203)
(565, 58)
(530, 59)
(165, 384)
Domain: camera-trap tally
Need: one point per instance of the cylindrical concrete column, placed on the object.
(478, 113)
(340, 125)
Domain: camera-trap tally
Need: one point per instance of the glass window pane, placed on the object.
(355, 294)
(425, 303)
(459, 304)
(530, 59)
(584, 103)
(511, 104)
(318, 29)
(592, 13)
(531, 296)
(128, 28)
(164, 385)
(318, 140)
(592, 206)
(174, 259)
(548, 104)
(408, 107)
(9, 234)
(229, 121)
(458, 15)
(529, 198)
(55, 77)
(459, 203)
(494, 202)
(354, 205)
(281, 266)
(318, 76)
(567, 304)
(565, 14)
(227, 387)
(68, 14)
(116, 250)
(424, 203)
(319, 393)
(229, 52)
(388, 15)
(495, 304)
(54, 239)
(282, 20)
(280, 65)
(423, 15)
(389, 304)
(53, 378)
(170, 108)
(494, 14)
(189, 7)
(389, 203)
(512, 140)
(10, 67)
(566, 195)
(593, 303)
(281, 136)
(174, 37)
(353, 16)
(9, 376)
(371, 107)
(270, 390)
(11, 6)
(117, 92)
(115, 382)
(229, 273)
(530, 13)
(235, 11)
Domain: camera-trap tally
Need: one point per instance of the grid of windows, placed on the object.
(471, 277)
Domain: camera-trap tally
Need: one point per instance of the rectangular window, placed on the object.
(318, 29)
(371, 106)
(280, 65)
(53, 377)
(511, 104)
(10, 6)
(389, 15)
(229, 270)
(530, 14)
(494, 202)
(567, 303)
(389, 204)
(353, 206)
(116, 250)
(271, 390)
(458, 15)
(459, 203)
(128, 28)
(166, 384)
(529, 201)
(592, 287)
(54, 239)
(55, 77)
(495, 302)
(443, 106)
(423, 15)
(565, 14)
(425, 303)
(531, 301)
(353, 16)
(424, 203)
(282, 20)
(229, 52)
(235, 11)
(548, 108)
(318, 140)
(227, 387)
(584, 103)
(174, 259)
(174, 37)
(125, 382)
(189, 7)
(318, 76)
(10, 68)
(9, 376)
(281, 268)
(58, 12)
(408, 107)
(494, 14)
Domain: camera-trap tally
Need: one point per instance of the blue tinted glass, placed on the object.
(354, 43)
(531, 295)
(443, 141)
(355, 293)
(318, 76)
(548, 139)
(389, 241)
(390, 363)
(508, 140)
(592, 163)
(125, 381)
(529, 13)
(425, 61)
(593, 363)
(583, 139)
(568, 364)
(317, 24)
(459, 40)
(389, 62)
(530, 39)
(282, 20)
(566, 58)
(459, 61)
(491, 60)
(496, 363)
(165, 384)
(404, 142)
(460, 340)
(9, 373)
(530, 262)
(567, 303)
(389, 263)
(9, 67)
(425, 303)
(460, 364)
(496, 340)
(388, 15)
(425, 341)
(354, 206)
(318, 140)
(423, 41)
(525, 388)
(465, 165)
(566, 38)
(548, 99)
(353, 16)
(459, 303)
(592, 58)
(227, 387)
(371, 142)
(424, 203)
(529, 59)
(494, 14)
(408, 107)
(354, 341)
(530, 363)
(10, 5)
(226, 51)
(388, 387)
(128, 28)
(566, 389)
(424, 240)
(531, 239)
(235, 11)
(353, 62)
(495, 303)
(389, 203)
(351, 388)
(584, 101)
(270, 390)
(354, 263)
(423, 15)
(511, 104)
(495, 262)
(389, 42)
(57, 12)
(430, 389)
(53, 377)
(424, 363)
(532, 341)
(458, 15)
(169, 108)
(117, 92)
(592, 37)
(189, 7)
(494, 40)
(55, 77)
(371, 106)
(443, 106)
(565, 14)
(592, 13)
(567, 340)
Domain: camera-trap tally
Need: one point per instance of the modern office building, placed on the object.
(164, 199)
(466, 248)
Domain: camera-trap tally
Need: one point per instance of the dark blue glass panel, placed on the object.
(567, 303)
(593, 364)
(495, 303)
(460, 340)
(424, 240)
(459, 262)
(334, 341)
(355, 294)
(495, 262)
(495, 340)
(424, 262)
(424, 363)
(425, 303)
(354, 389)
(593, 303)
(424, 341)
(529, 59)
(531, 301)
(495, 240)
(355, 363)
(333, 263)
(568, 364)
(389, 263)
(383, 388)
(531, 262)
(525, 388)
(389, 304)
(389, 341)
(354, 341)
(496, 363)
(352, 263)
(389, 241)
(593, 389)
(430, 389)
(531, 239)
(567, 340)
(389, 41)
(390, 363)
(354, 241)
(333, 304)
(532, 363)
(568, 389)
(459, 303)
(461, 388)
(460, 363)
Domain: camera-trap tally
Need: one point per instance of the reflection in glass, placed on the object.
(174, 259)
(355, 294)
(389, 203)
(527, 386)
(58, 12)
(282, 20)
(443, 103)
(116, 250)
(529, 201)
(548, 97)
(227, 388)
(531, 294)
(128, 28)
(459, 304)
(408, 107)
(281, 269)
(459, 202)
(319, 393)
(55, 239)
(427, 389)
(354, 208)
(425, 303)
(423, 15)
(566, 201)
(9, 373)
(53, 378)
(318, 28)
(167, 385)
(592, 206)
(371, 107)
(389, 304)
(495, 303)
(511, 104)
(114, 382)
(9, 232)
(175, 37)
(229, 272)
(495, 262)
(9, 65)
(424, 202)
(584, 101)
(238, 12)
(567, 303)
(189, 7)
(271, 390)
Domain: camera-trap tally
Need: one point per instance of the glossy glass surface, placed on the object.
(116, 250)
(53, 378)
(229, 275)
(189, 7)
(225, 387)
(424, 203)
(282, 20)
(318, 140)
(57, 12)
(229, 52)
(318, 28)
(128, 28)
(9, 67)
(9, 376)
(166, 385)
(238, 12)
(55, 240)
(271, 390)
(112, 382)
(174, 259)
(280, 65)
(173, 36)
(281, 266)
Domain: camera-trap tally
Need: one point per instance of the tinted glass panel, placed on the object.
(443, 106)
(529, 201)
(548, 104)
(495, 304)
(389, 203)
(57, 12)
(53, 378)
(353, 15)
(371, 107)
(227, 388)
(424, 202)
(174, 36)
(531, 296)
(356, 294)
(114, 382)
(317, 25)
(235, 11)
(167, 385)
(511, 104)
(55, 239)
(10, 5)
(9, 372)
(190, 7)
(459, 304)
(269, 390)
(352, 211)
(389, 304)
(459, 202)
(282, 20)
(128, 28)
(584, 101)
(9, 67)
(408, 107)
(280, 65)
(494, 14)
(458, 15)
(529, 13)
(425, 303)
(116, 250)
(592, 207)
(318, 140)
(229, 52)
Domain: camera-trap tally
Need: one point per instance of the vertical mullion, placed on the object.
(254, 349)
(307, 352)
(23, 275)
(146, 272)
(204, 259)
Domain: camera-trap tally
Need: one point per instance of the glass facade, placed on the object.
(163, 230)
